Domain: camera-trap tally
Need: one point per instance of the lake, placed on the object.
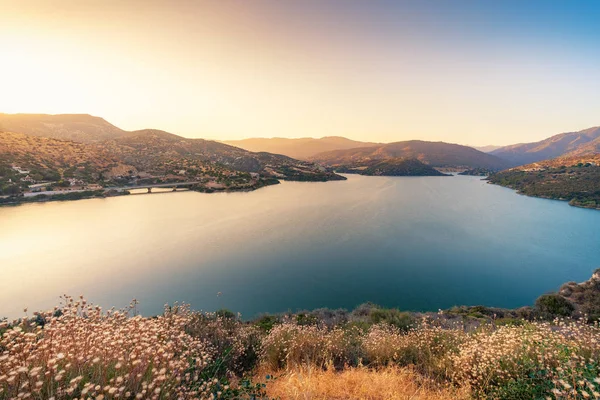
(417, 243)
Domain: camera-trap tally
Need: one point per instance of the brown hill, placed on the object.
(580, 143)
(303, 148)
(147, 155)
(29, 151)
(392, 167)
(82, 128)
(575, 179)
(149, 148)
(435, 154)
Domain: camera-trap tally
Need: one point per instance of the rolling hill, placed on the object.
(434, 154)
(89, 150)
(82, 128)
(568, 144)
(574, 178)
(302, 149)
(393, 167)
(150, 148)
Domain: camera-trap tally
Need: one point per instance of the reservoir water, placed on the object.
(417, 243)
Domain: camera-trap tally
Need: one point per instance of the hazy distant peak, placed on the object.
(435, 154)
(565, 144)
(487, 149)
(300, 148)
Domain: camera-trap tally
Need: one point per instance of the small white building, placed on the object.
(19, 170)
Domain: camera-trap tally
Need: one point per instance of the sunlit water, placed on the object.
(416, 243)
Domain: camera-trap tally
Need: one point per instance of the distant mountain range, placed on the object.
(568, 144)
(302, 149)
(434, 154)
(339, 151)
(156, 153)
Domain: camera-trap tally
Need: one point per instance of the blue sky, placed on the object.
(472, 72)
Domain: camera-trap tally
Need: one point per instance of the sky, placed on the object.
(470, 72)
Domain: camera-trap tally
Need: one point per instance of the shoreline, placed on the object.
(517, 191)
(107, 193)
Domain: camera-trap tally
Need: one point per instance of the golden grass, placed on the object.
(361, 383)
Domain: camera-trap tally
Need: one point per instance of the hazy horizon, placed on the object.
(380, 71)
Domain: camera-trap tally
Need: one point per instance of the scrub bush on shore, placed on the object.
(77, 351)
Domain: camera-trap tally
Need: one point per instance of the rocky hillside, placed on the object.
(570, 144)
(434, 154)
(575, 179)
(584, 297)
(302, 149)
(26, 160)
(150, 148)
(101, 154)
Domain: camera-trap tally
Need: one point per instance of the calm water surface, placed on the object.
(415, 243)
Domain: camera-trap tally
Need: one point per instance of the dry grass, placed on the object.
(86, 353)
(78, 351)
(359, 383)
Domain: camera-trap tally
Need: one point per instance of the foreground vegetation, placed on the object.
(79, 351)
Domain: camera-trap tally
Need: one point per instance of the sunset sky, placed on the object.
(471, 72)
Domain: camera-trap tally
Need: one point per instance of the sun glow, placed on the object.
(225, 70)
(30, 84)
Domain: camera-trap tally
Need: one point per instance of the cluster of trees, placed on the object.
(479, 172)
(293, 174)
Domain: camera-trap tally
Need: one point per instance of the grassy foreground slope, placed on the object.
(79, 351)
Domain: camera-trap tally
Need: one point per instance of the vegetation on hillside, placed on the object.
(34, 163)
(578, 184)
(391, 167)
(478, 172)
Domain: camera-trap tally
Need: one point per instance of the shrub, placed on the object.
(550, 306)
(289, 345)
(234, 343)
(392, 316)
(427, 349)
(266, 322)
(529, 361)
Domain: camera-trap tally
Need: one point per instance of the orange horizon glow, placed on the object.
(229, 70)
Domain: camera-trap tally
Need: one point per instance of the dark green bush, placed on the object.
(392, 316)
(550, 306)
